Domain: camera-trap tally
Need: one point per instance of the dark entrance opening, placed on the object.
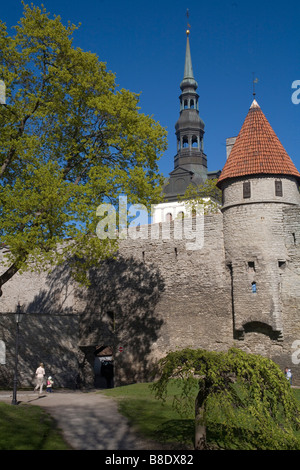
(104, 367)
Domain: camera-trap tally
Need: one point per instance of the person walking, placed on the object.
(288, 374)
(40, 373)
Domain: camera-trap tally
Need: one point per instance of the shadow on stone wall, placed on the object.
(64, 325)
(51, 339)
(120, 311)
(59, 296)
(48, 333)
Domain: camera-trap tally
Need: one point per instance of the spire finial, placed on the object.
(188, 25)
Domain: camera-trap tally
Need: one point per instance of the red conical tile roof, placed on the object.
(257, 150)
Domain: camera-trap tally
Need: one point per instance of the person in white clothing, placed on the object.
(40, 373)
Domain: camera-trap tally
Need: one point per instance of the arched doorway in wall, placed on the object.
(104, 367)
(260, 338)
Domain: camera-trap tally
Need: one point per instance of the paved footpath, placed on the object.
(88, 420)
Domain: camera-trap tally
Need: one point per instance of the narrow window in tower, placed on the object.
(185, 142)
(192, 105)
(186, 104)
(195, 141)
(251, 266)
(253, 287)
(281, 264)
(278, 188)
(246, 190)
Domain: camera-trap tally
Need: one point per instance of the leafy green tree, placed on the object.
(205, 198)
(70, 140)
(233, 393)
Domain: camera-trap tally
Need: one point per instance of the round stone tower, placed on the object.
(259, 182)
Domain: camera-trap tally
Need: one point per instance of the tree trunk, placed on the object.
(200, 430)
(7, 275)
(200, 418)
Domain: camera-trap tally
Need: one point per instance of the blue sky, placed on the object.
(143, 43)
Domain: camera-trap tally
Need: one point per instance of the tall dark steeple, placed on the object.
(190, 163)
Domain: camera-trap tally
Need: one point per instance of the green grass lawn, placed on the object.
(27, 427)
(160, 422)
(153, 419)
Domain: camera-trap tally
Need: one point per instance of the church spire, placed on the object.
(190, 127)
(190, 162)
(188, 76)
(188, 68)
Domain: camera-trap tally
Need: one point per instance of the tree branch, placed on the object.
(12, 151)
(8, 274)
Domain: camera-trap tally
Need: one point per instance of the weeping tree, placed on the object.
(70, 140)
(238, 396)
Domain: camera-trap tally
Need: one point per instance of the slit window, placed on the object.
(246, 190)
(251, 266)
(253, 287)
(111, 320)
(278, 188)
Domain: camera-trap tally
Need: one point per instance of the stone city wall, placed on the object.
(154, 296)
